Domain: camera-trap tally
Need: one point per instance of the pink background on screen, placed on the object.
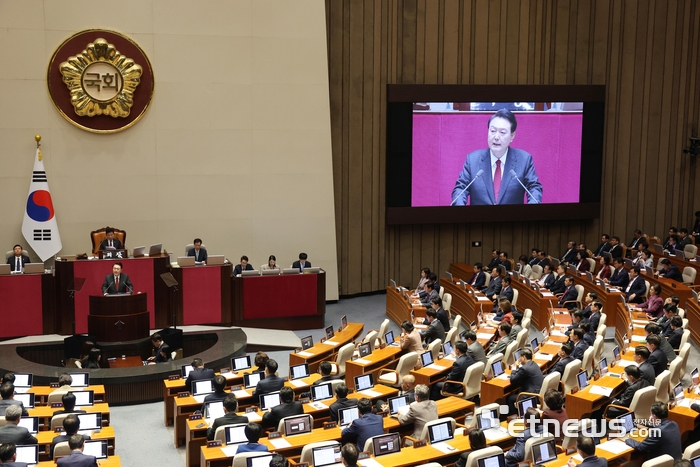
(441, 143)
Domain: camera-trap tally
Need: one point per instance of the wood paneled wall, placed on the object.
(645, 52)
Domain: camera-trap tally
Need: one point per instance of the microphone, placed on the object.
(478, 174)
(110, 285)
(513, 174)
(129, 290)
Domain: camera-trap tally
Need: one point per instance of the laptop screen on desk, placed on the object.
(525, 403)
(603, 365)
(27, 399)
(30, 423)
(544, 452)
(395, 403)
(582, 379)
(202, 387)
(259, 461)
(84, 398)
(307, 342)
(426, 358)
(23, 380)
(214, 410)
(90, 421)
(497, 368)
(326, 455)
(28, 454)
(80, 380)
(297, 425)
(250, 380)
(365, 350)
(235, 434)
(386, 444)
(299, 371)
(268, 401)
(497, 460)
(321, 392)
(487, 419)
(97, 448)
(329, 332)
(627, 420)
(447, 349)
(347, 415)
(440, 432)
(363, 382)
(185, 370)
(535, 345)
(344, 321)
(240, 363)
(389, 337)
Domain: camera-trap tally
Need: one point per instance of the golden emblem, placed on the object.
(101, 81)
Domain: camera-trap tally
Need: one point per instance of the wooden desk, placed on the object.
(321, 351)
(692, 313)
(125, 362)
(380, 358)
(45, 413)
(688, 420)
(583, 403)
(539, 303)
(610, 299)
(563, 458)
(398, 309)
(495, 389)
(41, 393)
(45, 437)
(429, 376)
(111, 461)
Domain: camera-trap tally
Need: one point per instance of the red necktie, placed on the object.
(497, 180)
(116, 283)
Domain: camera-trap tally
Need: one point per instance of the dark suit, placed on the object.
(570, 293)
(675, 338)
(579, 349)
(459, 368)
(569, 255)
(543, 262)
(558, 285)
(604, 247)
(61, 439)
(12, 433)
(202, 254)
(442, 317)
(668, 442)
(158, 357)
(507, 292)
(494, 262)
(620, 278)
(229, 419)
(5, 403)
(116, 243)
(594, 461)
(658, 360)
(238, 269)
(647, 372)
(251, 447)
(343, 403)
(494, 287)
(511, 192)
(198, 374)
(12, 262)
(271, 383)
(615, 251)
(638, 288)
(517, 453)
(672, 273)
(214, 397)
(125, 286)
(297, 265)
(594, 321)
(561, 365)
(362, 429)
(626, 397)
(478, 280)
(435, 331)
(289, 409)
(77, 459)
(528, 378)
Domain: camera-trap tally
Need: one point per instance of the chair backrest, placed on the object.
(661, 385)
(569, 442)
(55, 397)
(685, 326)
(220, 433)
(451, 336)
(690, 251)
(579, 289)
(646, 288)
(483, 408)
(472, 380)
(689, 274)
(536, 272)
(598, 347)
(591, 263)
(692, 451)
(675, 371)
(527, 314)
(190, 247)
(551, 381)
(3, 422)
(61, 449)
(534, 441)
(488, 278)
(441, 292)
(369, 444)
(587, 363)
(457, 323)
(526, 324)
(569, 376)
(241, 459)
(663, 460)
(521, 338)
(488, 371)
(307, 450)
(426, 427)
(280, 425)
(12, 252)
(516, 293)
(371, 337)
(686, 334)
(509, 354)
(344, 354)
(602, 329)
(641, 402)
(96, 236)
(603, 320)
(447, 302)
(684, 353)
(57, 420)
(434, 348)
(383, 328)
(482, 454)
(406, 363)
(681, 312)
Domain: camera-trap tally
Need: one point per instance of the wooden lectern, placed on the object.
(118, 318)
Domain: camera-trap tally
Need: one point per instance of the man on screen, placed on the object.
(499, 174)
(117, 282)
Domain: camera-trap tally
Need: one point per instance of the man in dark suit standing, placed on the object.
(229, 418)
(363, 428)
(18, 260)
(585, 447)
(12, 432)
(670, 271)
(527, 377)
(117, 282)
(110, 242)
(242, 266)
(478, 280)
(270, 383)
(657, 358)
(288, 408)
(620, 278)
(199, 253)
(459, 368)
(198, 373)
(341, 402)
(569, 255)
(636, 288)
(499, 174)
(666, 439)
(303, 263)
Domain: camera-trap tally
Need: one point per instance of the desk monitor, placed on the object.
(582, 379)
(329, 332)
(307, 342)
(497, 460)
(395, 403)
(80, 380)
(84, 398)
(440, 432)
(607, 255)
(270, 272)
(447, 349)
(240, 363)
(516, 275)
(393, 283)
(28, 454)
(344, 322)
(629, 263)
(347, 415)
(290, 271)
(299, 371)
(426, 358)
(517, 353)
(497, 368)
(4, 269)
(30, 423)
(185, 370)
(252, 272)
(184, 261)
(155, 249)
(235, 434)
(488, 419)
(251, 380)
(259, 461)
(97, 448)
(449, 276)
(202, 387)
(695, 461)
(139, 252)
(389, 338)
(603, 365)
(326, 455)
(627, 422)
(214, 410)
(386, 444)
(363, 382)
(321, 392)
(694, 375)
(545, 333)
(313, 270)
(34, 268)
(26, 398)
(270, 400)
(90, 421)
(216, 260)
(616, 353)
(678, 392)
(535, 345)
(589, 276)
(544, 452)
(298, 425)
(365, 349)
(525, 403)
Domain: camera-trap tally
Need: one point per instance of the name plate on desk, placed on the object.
(421, 443)
(113, 254)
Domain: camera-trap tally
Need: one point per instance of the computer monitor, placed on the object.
(307, 342)
(23, 380)
(80, 380)
(214, 410)
(497, 368)
(185, 370)
(251, 380)
(395, 403)
(27, 399)
(525, 403)
(616, 353)
(259, 461)
(449, 276)
(326, 455)
(544, 452)
(678, 394)
(298, 425)
(426, 358)
(240, 363)
(155, 249)
(364, 349)
(440, 432)
(329, 332)
(252, 272)
(517, 353)
(627, 420)
(322, 392)
(582, 379)
(695, 461)
(344, 322)
(90, 421)
(97, 448)
(389, 338)
(84, 398)
(497, 460)
(386, 444)
(270, 400)
(447, 348)
(312, 270)
(270, 272)
(290, 271)
(299, 371)
(694, 375)
(28, 454)
(545, 333)
(235, 434)
(30, 423)
(201, 387)
(534, 343)
(487, 419)
(345, 416)
(603, 365)
(363, 382)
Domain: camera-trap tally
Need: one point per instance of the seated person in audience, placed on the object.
(8, 456)
(615, 249)
(619, 278)
(559, 284)
(580, 346)
(670, 271)
(242, 266)
(672, 244)
(341, 401)
(252, 433)
(271, 264)
(278, 460)
(641, 358)
(636, 239)
(431, 293)
(270, 383)
(636, 288)
(478, 280)
(198, 373)
(436, 304)
(548, 277)
(576, 320)
(477, 441)
(670, 310)
(420, 288)
(676, 332)
(504, 339)
(110, 242)
(68, 400)
(303, 263)
(474, 347)
(64, 384)
(585, 447)
(349, 455)
(8, 378)
(555, 411)
(287, 408)
(93, 360)
(653, 307)
(588, 335)
(604, 246)
(433, 278)
(594, 318)
(164, 355)
(504, 313)
(542, 258)
(506, 292)
(605, 269)
(324, 369)
(219, 393)
(665, 440)
(71, 425)
(581, 247)
(533, 426)
(495, 260)
(459, 368)
(7, 392)
(657, 358)
(12, 432)
(588, 299)
(582, 265)
(493, 290)
(683, 239)
(76, 457)
(527, 377)
(647, 260)
(363, 428)
(435, 329)
(570, 294)
(408, 389)
(635, 382)
(157, 343)
(653, 328)
(199, 253)
(569, 255)
(533, 257)
(565, 358)
(503, 258)
(524, 268)
(230, 417)
(411, 340)
(17, 260)
(420, 412)
(261, 359)
(516, 323)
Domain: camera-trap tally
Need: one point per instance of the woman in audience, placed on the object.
(648, 260)
(165, 353)
(411, 340)
(654, 306)
(605, 270)
(93, 360)
(271, 263)
(261, 359)
(420, 288)
(583, 265)
(525, 269)
(477, 440)
(555, 411)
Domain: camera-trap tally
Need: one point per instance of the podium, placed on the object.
(118, 318)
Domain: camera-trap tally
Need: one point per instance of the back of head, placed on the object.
(278, 460)
(553, 399)
(527, 353)
(165, 352)
(252, 432)
(156, 337)
(642, 351)
(430, 312)
(633, 371)
(13, 412)
(477, 440)
(578, 332)
(286, 394)
(470, 336)
(219, 383)
(407, 326)
(7, 452)
(65, 380)
(364, 405)
(422, 392)
(7, 390)
(230, 403)
(586, 445)
(567, 347)
(8, 378)
(341, 390)
(349, 453)
(76, 441)
(68, 400)
(659, 410)
(461, 347)
(506, 327)
(197, 362)
(271, 366)
(71, 424)
(325, 368)
(261, 358)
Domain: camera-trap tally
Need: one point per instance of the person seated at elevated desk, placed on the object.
(504, 313)
(252, 433)
(302, 263)
(271, 264)
(435, 329)
(478, 280)
(243, 266)
(494, 288)
(117, 282)
(619, 278)
(288, 408)
(420, 288)
(71, 426)
(558, 286)
(432, 292)
(7, 391)
(230, 417)
(670, 271)
(462, 361)
(199, 253)
(110, 242)
(68, 400)
(324, 368)
(158, 344)
(436, 304)
(18, 260)
(548, 277)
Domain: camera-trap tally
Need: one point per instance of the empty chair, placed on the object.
(457, 323)
(515, 297)
(307, 450)
(482, 454)
(241, 459)
(447, 303)
(526, 324)
(674, 371)
(685, 326)
(371, 337)
(536, 272)
(441, 292)
(478, 410)
(488, 278)
(426, 427)
(690, 251)
(568, 379)
(603, 320)
(521, 338)
(344, 354)
(451, 336)
(689, 274)
(393, 377)
(591, 263)
(681, 312)
(527, 313)
(692, 451)
(383, 328)
(684, 354)
(471, 384)
(661, 384)
(663, 460)
(684, 337)
(509, 354)
(588, 363)
(63, 449)
(602, 329)
(569, 442)
(434, 348)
